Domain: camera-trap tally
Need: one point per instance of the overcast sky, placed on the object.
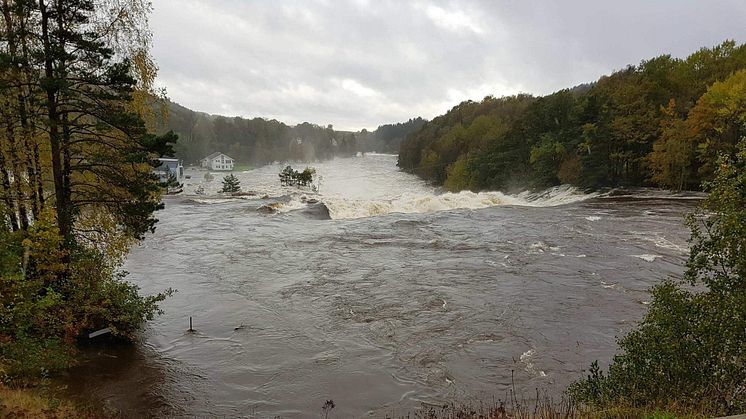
(361, 63)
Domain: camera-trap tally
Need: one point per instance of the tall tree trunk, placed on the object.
(19, 195)
(35, 175)
(65, 125)
(63, 214)
(13, 187)
(7, 193)
(38, 181)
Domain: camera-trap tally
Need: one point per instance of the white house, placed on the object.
(170, 167)
(217, 161)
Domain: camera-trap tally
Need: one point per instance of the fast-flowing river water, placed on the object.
(383, 295)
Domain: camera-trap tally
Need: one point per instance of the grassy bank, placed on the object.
(242, 167)
(36, 403)
(544, 411)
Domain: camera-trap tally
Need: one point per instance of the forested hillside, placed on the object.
(660, 123)
(387, 138)
(253, 141)
(259, 141)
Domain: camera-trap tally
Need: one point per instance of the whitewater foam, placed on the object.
(351, 190)
(343, 208)
(530, 367)
(647, 257)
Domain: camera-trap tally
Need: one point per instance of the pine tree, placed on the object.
(231, 184)
(172, 183)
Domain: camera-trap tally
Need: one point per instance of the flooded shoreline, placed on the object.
(382, 313)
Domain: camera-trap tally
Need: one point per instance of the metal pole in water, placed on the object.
(190, 324)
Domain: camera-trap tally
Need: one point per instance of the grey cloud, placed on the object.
(362, 63)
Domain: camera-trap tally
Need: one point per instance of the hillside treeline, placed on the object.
(260, 141)
(387, 138)
(254, 141)
(660, 123)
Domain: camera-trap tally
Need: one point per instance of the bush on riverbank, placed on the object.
(77, 181)
(690, 348)
(43, 316)
(547, 408)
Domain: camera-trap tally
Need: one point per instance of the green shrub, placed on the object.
(43, 314)
(231, 184)
(291, 177)
(690, 348)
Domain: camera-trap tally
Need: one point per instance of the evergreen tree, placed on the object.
(172, 183)
(77, 186)
(231, 184)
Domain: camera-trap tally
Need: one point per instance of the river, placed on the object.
(395, 296)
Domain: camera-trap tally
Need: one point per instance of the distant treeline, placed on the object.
(260, 141)
(661, 123)
(254, 141)
(388, 138)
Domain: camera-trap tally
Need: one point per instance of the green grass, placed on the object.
(242, 167)
(33, 403)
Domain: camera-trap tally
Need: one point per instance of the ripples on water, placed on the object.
(404, 296)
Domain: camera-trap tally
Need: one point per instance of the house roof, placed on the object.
(215, 154)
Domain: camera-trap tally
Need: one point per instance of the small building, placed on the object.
(168, 167)
(217, 161)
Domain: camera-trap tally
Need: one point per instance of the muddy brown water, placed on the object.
(410, 302)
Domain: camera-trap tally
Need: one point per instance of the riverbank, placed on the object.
(37, 403)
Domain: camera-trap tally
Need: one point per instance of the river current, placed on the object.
(383, 295)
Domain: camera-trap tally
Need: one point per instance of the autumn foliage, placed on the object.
(76, 182)
(661, 123)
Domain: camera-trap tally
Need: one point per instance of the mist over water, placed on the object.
(402, 295)
(372, 186)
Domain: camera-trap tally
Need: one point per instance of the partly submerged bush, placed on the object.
(291, 177)
(690, 348)
(231, 184)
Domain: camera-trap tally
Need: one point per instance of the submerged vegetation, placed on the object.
(77, 187)
(661, 123)
(292, 177)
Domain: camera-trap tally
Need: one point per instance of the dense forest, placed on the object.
(661, 123)
(260, 141)
(388, 138)
(254, 141)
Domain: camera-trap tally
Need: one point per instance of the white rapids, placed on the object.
(350, 189)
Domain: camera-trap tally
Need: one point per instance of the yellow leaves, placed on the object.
(569, 170)
(152, 108)
(99, 230)
(429, 163)
(711, 128)
(718, 120)
(44, 246)
(459, 177)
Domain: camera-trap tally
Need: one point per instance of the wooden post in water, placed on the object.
(190, 324)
